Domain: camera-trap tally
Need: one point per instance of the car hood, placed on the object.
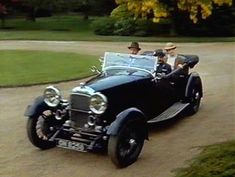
(104, 83)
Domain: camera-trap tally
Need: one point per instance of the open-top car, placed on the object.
(112, 110)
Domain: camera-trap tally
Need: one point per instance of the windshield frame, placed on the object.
(128, 67)
(130, 57)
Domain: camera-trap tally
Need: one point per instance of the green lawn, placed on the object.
(215, 161)
(76, 29)
(34, 67)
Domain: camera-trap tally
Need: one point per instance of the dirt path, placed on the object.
(170, 145)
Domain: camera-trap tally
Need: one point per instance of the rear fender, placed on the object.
(131, 114)
(37, 107)
(193, 81)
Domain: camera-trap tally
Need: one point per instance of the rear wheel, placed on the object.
(195, 101)
(125, 147)
(39, 131)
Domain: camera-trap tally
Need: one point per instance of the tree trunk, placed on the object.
(32, 15)
(3, 21)
(173, 19)
(173, 28)
(86, 9)
(85, 16)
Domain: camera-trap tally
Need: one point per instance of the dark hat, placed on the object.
(159, 53)
(134, 45)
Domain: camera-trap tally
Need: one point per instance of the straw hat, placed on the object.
(134, 45)
(169, 46)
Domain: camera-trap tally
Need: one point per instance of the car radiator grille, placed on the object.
(79, 107)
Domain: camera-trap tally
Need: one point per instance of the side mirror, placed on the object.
(94, 69)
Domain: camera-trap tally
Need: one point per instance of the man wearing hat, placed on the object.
(175, 60)
(134, 48)
(162, 66)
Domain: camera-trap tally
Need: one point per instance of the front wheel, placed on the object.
(38, 131)
(125, 147)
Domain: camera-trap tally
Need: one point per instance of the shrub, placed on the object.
(143, 27)
(125, 27)
(103, 26)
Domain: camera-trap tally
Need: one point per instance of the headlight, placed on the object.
(52, 96)
(98, 103)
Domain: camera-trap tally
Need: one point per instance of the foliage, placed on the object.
(220, 23)
(34, 67)
(145, 27)
(124, 27)
(4, 9)
(90, 7)
(103, 26)
(122, 12)
(157, 9)
(214, 161)
(127, 27)
(71, 27)
(33, 6)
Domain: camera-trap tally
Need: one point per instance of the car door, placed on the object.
(155, 96)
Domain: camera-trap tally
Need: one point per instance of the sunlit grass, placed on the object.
(215, 161)
(34, 67)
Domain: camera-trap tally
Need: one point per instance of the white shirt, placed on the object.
(171, 60)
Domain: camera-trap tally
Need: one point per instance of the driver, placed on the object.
(162, 66)
(134, 48)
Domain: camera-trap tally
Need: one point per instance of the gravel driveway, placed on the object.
(170, 145)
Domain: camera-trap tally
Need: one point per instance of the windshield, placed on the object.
(126, 62)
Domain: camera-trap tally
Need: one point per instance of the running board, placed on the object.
(170, 112)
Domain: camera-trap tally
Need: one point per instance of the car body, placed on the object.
(112, 110)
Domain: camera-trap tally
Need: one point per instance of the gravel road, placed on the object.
(171, 144)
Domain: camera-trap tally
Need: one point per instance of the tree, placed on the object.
(5, 5)
(158, 9)
(33, 6)
(92, 7)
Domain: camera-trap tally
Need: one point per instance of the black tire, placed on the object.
(124, 148)
(194, 101)
(34, 138)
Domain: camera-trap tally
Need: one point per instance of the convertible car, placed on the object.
(112, 110)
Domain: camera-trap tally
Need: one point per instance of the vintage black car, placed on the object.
(112, 110)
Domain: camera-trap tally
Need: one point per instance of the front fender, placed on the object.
(131, 114)
(36, 108)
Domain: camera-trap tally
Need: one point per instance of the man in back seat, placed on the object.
(176, 61)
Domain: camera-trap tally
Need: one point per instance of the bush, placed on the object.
(103, 26)
(128, 27)
(143, 27)
(125, 27)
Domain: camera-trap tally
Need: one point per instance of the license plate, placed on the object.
(71, 145)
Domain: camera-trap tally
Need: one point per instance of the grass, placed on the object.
(214, 161)
(74, 28)
(19, 68)
(54, 23)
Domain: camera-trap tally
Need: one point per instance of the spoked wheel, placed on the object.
(125, 148)
(39, 131)
(195, 101)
